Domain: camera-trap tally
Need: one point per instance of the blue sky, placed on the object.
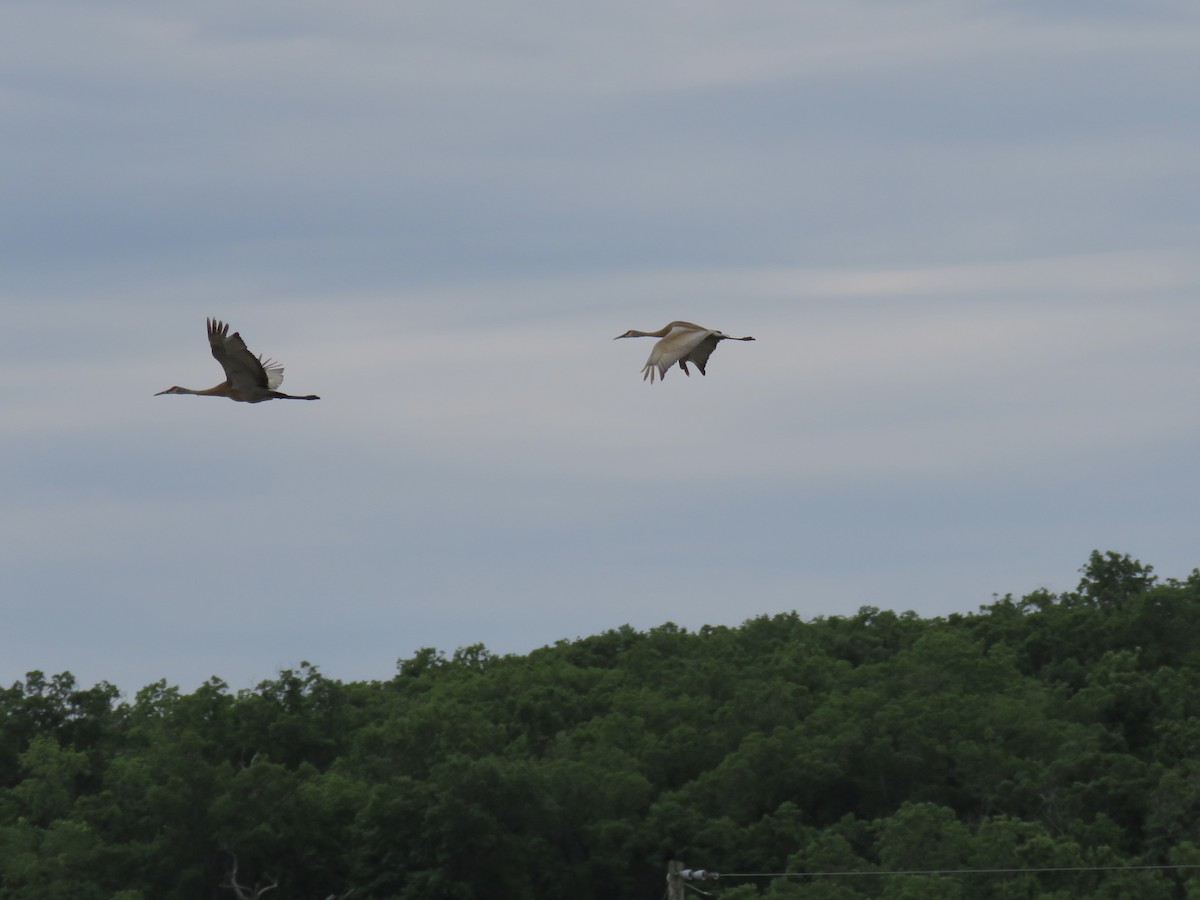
(963, 235)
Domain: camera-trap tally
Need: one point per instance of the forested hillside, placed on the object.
(1047, 732)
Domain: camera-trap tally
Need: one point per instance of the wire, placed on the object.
(1013, 871)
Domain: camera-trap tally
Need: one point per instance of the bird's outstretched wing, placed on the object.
(702, 351)
(680, 343)
(242, 368)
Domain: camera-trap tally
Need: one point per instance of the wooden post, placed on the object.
(674, 880)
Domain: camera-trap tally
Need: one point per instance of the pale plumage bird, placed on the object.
(248, 378)
(683, 343)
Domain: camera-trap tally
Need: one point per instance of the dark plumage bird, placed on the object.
(248, 378)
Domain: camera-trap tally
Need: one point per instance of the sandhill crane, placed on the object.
(683, 343)
(248, 378)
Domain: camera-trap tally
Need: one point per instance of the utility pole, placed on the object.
(674, 880)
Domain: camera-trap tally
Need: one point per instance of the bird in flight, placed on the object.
(248, 378)
(681, 342)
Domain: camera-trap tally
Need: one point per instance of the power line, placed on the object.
(1005, 871)
(679, 878)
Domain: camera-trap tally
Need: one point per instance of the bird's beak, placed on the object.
(160, 393)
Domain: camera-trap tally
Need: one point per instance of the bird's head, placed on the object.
(176, 389)
(630, 333)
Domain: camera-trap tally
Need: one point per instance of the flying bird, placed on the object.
(248, 378)
(683, 343)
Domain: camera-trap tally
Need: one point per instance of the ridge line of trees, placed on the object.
(1047, 731)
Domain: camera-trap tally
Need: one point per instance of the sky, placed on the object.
(963, 234)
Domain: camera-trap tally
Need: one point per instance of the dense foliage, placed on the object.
(1049, 732)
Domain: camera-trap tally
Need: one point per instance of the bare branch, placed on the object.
(243, 892)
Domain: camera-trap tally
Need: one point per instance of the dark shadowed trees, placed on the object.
(1049, 740)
